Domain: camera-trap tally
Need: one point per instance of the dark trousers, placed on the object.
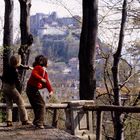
(37, 104)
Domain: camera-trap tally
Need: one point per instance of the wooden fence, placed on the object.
(100, 109)
(52, 106)
(93, 108)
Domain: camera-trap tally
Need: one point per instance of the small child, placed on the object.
(11, 81)
(38, 80)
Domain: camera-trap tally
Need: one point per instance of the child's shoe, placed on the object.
(9, 124)
(26, 123)
(39, 126)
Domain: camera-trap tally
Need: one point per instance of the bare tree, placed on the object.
(115, 71)
(26, 37)
(8, 32)
(87, 50)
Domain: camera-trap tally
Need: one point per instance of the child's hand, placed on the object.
(50, 94)
(43, 80)
(31, 68)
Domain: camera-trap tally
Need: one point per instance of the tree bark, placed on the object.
(118, 126)
(26, 37)
(88, 49)
(8, 33)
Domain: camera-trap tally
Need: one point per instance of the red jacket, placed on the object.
(35, 79)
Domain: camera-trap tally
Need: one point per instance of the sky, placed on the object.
(74, 6)
(47, 6)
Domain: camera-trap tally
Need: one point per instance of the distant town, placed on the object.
(42, 24)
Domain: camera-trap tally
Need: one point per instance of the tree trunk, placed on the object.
(88, 49)
(8, 35)
(119, 135)
(26, 37)
(8, 32)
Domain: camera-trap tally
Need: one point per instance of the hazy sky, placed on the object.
(47, 6)
(74, 6)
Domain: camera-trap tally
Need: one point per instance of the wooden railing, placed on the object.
(52, 106)
(78, 110)
(48, 106)
(100, 109)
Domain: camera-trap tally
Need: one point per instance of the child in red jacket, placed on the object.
(38, 80)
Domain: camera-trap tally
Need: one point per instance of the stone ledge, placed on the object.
(19, 132)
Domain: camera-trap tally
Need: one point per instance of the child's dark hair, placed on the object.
(40, 60)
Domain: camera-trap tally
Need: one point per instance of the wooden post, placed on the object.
(55, 118)
(82, 121)
(99, 125)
